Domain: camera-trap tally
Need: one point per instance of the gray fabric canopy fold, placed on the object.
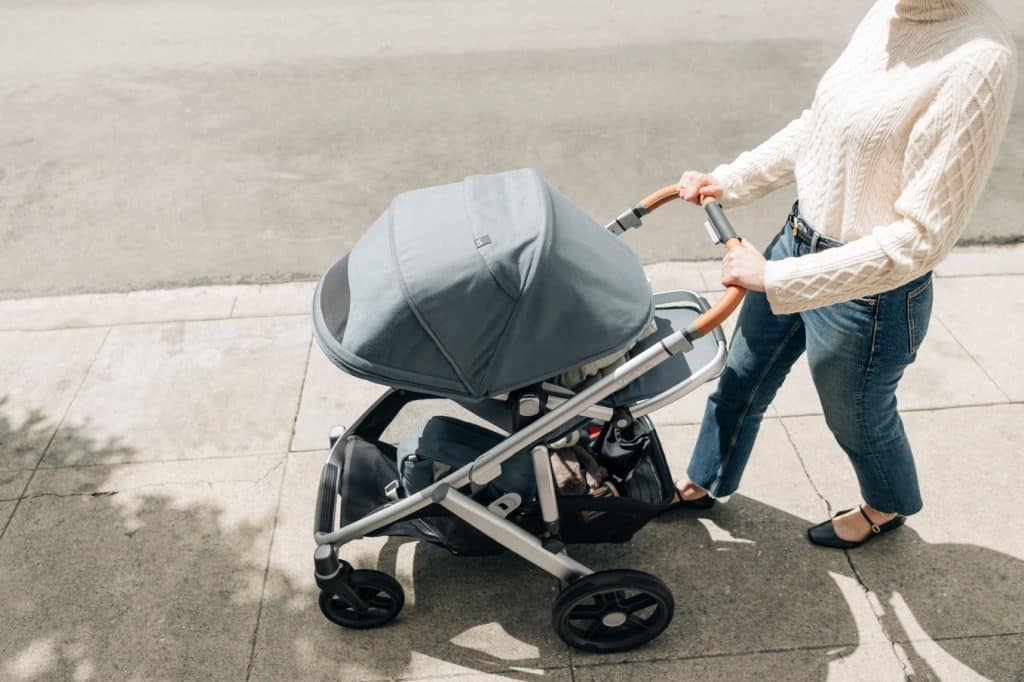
(479, 287)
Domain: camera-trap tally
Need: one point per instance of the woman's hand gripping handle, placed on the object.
(721, 232)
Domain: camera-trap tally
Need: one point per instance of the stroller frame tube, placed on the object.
(488, 466)
(510, 536)
(545, 484)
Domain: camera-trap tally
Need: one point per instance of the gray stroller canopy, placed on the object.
(480, 287)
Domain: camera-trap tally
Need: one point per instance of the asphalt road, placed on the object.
(147, 144)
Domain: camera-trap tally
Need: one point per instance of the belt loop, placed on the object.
(814, 242)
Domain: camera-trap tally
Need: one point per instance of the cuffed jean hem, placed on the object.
(713, 487)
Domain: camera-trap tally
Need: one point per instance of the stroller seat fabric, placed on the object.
(446, 443)
(672, 371)
(369, 466)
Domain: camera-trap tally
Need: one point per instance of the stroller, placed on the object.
(481, 292)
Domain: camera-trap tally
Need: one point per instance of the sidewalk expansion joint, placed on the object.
(803, 467)
(266, 573)
(161, 484)
(973, 275)
(56, 430)
(721, 654)
(101, 325)
(273, 528)
(849, 559)
(956, 638)
(475, 675)
(912, 410)
(172, 460)
(973, 357)
(302, 390)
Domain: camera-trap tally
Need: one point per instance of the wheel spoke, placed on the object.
(638, 603)
(351, 599)
(586, 612)
(635, 622)
(596, 630)
(375, 599)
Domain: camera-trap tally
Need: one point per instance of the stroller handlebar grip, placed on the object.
(719, 223)
(659, 198)
(726, 235)
(721, 310)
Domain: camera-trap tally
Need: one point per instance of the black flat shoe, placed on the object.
(824, 533)
(706, 502)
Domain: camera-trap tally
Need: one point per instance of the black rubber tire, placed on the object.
(381, 593)
(642, 601)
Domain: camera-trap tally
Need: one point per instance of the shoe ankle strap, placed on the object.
(875, 528)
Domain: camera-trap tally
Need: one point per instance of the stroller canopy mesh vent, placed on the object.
(479, 287)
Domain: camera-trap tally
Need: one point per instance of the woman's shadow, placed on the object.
(746, 583)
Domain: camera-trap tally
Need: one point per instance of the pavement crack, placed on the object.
(973, 358)
(302, 390)
(903, 410)
(908, 671)
(56, 430)
(161, 484)
(720, 654)
(266, 575)
(803, 467)
(95, 493)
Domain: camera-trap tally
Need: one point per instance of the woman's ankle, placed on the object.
(877, 516)
(689, 491)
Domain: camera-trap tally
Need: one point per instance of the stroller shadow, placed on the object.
(746, 582)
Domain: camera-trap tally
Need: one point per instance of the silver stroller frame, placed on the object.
(560, 409)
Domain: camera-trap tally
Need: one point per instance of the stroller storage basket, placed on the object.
(369, 468)
(646, 490)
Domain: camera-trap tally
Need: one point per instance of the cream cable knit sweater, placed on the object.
(893, 153)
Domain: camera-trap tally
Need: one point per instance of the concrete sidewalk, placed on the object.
(160, 450)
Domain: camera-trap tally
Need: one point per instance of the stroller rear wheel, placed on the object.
(368, 599)
(612, 611)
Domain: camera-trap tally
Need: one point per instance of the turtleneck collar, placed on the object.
(933, 10)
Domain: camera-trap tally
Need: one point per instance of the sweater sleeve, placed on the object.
(949, 156)
(765, 168)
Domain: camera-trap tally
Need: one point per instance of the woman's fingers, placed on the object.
(744, 267)
(712, 190)
(688, 186)
(694, 186)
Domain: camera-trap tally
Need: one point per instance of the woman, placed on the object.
(889, 162)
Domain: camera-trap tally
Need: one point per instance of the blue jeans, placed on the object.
(857, 352)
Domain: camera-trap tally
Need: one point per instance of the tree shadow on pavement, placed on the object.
(157, 571)
(128, 571)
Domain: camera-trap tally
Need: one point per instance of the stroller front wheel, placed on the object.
(612, 611)
(367, 599)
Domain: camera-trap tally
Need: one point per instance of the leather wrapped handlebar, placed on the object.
(720, 224)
